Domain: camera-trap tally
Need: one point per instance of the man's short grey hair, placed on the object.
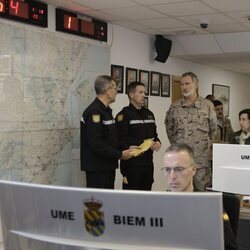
(102, 82)
(179, 147)
(192, 75)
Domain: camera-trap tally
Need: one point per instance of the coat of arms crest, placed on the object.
(94, 219)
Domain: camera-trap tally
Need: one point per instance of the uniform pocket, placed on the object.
(203, 121)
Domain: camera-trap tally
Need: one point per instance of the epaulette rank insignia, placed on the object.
(120, 117)
(96, 118)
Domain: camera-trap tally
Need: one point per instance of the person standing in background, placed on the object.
(243, 136)
(224, 128)
(192, 120)
(136, 124)
(210, 97)
(99, 137)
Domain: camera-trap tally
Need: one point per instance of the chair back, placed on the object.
(231, 204)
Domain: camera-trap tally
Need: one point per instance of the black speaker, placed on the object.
(163, 47)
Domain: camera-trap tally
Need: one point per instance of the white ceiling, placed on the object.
(178, 19)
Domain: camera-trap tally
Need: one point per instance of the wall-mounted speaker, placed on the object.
(162, 47)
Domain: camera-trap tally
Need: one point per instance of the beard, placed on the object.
(188, 93)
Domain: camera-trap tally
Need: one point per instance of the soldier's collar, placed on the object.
(196, 103)
(133, 107)
(103, 106)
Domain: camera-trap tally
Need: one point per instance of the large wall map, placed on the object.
(46, 81)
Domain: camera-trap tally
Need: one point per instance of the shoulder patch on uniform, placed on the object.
(96, 118)
(225, 217)
(120, 117)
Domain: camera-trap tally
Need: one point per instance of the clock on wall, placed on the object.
(85, 26)
(27, 11)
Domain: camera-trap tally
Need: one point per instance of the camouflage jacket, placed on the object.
(194, 125)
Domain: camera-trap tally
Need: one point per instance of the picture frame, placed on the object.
(117, 73)
(155, 83)
(165, 85)
(144, 77)
(222, 93)
(146, 102)
(131, 76)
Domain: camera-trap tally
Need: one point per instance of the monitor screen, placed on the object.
(49, 217)
(231, 168)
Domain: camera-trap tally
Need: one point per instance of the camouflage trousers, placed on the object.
(203, 178)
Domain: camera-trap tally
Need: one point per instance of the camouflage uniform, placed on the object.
(225, 132)
(194, 125)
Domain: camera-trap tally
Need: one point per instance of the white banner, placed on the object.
(52, 217)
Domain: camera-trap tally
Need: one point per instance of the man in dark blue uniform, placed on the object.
(99, 137)
(136, 124)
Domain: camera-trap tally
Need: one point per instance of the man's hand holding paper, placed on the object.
(146, 145)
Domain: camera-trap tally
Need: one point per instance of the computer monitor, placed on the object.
(52, 217)
(231, 168)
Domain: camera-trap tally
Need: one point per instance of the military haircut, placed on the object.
(217, 103)
(179, 147)
(102, 82)
(132, 86)
(245, 111)
(192, 75)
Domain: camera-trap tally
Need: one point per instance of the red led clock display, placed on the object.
(31, 12)
(69, 22)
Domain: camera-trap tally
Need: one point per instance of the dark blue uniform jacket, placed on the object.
(99, 138)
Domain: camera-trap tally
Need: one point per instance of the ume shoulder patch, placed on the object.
(120, 117)
(96, 118)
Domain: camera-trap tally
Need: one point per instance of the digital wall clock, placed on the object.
(27, 11)
(85, 26)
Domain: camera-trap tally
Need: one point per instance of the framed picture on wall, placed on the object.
(131, 75)
(222, 93)
(165, 85)
(117, 73)
(144, 78)
(155, 83)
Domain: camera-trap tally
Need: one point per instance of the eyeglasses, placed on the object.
(177, 170)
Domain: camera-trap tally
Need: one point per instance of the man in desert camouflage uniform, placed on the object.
(192, 120)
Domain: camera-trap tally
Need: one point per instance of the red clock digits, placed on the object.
(18, 8)
(26, 11)
(14, 6)
(2, 9)
(70, 23)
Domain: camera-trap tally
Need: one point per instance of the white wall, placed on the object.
(133, 49)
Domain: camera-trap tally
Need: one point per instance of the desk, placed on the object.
(244, 229)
